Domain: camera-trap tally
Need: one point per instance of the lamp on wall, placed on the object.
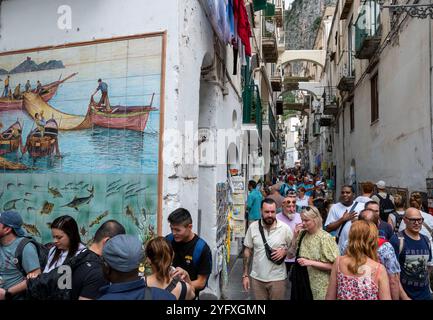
(421, 11)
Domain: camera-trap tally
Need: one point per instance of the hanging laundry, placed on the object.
(243, 24)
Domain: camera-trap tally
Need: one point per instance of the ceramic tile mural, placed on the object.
(90, 155)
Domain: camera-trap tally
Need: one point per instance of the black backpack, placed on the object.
(398, 219)
(41, 249)
(46, 285)
(386, 207)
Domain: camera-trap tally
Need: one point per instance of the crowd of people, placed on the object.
(370, 247)
(111, 268)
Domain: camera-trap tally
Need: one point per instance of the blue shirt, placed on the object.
(133, 290)
(103, 87)
(9, 273)
(413, 262)
(254, 203)
(307, 186)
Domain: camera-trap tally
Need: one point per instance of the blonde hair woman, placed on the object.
(317, 251)
(358, 275)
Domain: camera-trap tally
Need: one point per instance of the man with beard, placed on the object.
(341, 215)
(268, 277)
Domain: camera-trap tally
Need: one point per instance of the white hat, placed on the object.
(381, 184)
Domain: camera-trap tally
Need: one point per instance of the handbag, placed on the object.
(268, 249)
(300, 282)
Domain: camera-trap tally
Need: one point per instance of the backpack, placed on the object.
(41, 249)
(400, 236)
(198, 250)
(386, 206)
(46, 285)
(398, 219)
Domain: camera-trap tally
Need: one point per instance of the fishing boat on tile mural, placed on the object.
(10, 139)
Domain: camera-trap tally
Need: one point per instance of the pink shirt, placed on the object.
(292, 224)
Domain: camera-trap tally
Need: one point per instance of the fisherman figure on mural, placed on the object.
(17, 92)
(103, 102)
(38, 87)
(6, 89)
(40, 122)
(28, 86)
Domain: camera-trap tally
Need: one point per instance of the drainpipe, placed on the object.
(429, 181)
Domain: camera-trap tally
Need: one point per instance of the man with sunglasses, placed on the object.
(290, 217)
(413, 251)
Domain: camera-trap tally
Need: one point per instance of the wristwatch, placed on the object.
(8, 295)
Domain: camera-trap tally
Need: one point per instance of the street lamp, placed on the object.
(421, 11)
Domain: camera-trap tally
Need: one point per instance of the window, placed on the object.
(352, 117)
(374, 98)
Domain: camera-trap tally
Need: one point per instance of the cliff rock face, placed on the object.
(302, 22)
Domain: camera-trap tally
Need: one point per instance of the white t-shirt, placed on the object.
(428, 220)
(61, 259)
(335, 213)
(263, 269)
(302, 202)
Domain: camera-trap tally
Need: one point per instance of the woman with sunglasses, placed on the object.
(317, 250)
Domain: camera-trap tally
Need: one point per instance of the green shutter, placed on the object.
(259, 5)
(270, 10)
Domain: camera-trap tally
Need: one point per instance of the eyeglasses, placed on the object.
(346, 192)
(415, 220)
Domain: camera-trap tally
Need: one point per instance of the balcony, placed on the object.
(276, 82)
(367, 30)
(346, 72)
(279, 13)
(345, 9)
(326, 121)
(269, 40)
(330, 104)
(269, 121)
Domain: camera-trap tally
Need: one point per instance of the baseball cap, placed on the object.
(13, 220)
(381, 184)
(123, 252)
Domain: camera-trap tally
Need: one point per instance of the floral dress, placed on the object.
(322, 247)
(357, 287)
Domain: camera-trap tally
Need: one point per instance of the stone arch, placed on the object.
(314, 56)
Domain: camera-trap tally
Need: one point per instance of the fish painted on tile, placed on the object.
(20, 184)
(10, 184)
(130, 213)
(27, 200)
(54, 192)
(36, 186)
(32, 229)
(98, 219)
(141, 189)
(28, 194)
(47, 207)
(83, 231)
(78, 202)
(30, 209)
(113, 183)
(11, 205)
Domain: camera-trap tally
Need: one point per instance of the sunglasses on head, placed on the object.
(315, 210)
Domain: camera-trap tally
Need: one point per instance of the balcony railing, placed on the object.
(367, 30)
(279, 13)
(346, 72)
(330, 104)
(269, 119)
(269, 40)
